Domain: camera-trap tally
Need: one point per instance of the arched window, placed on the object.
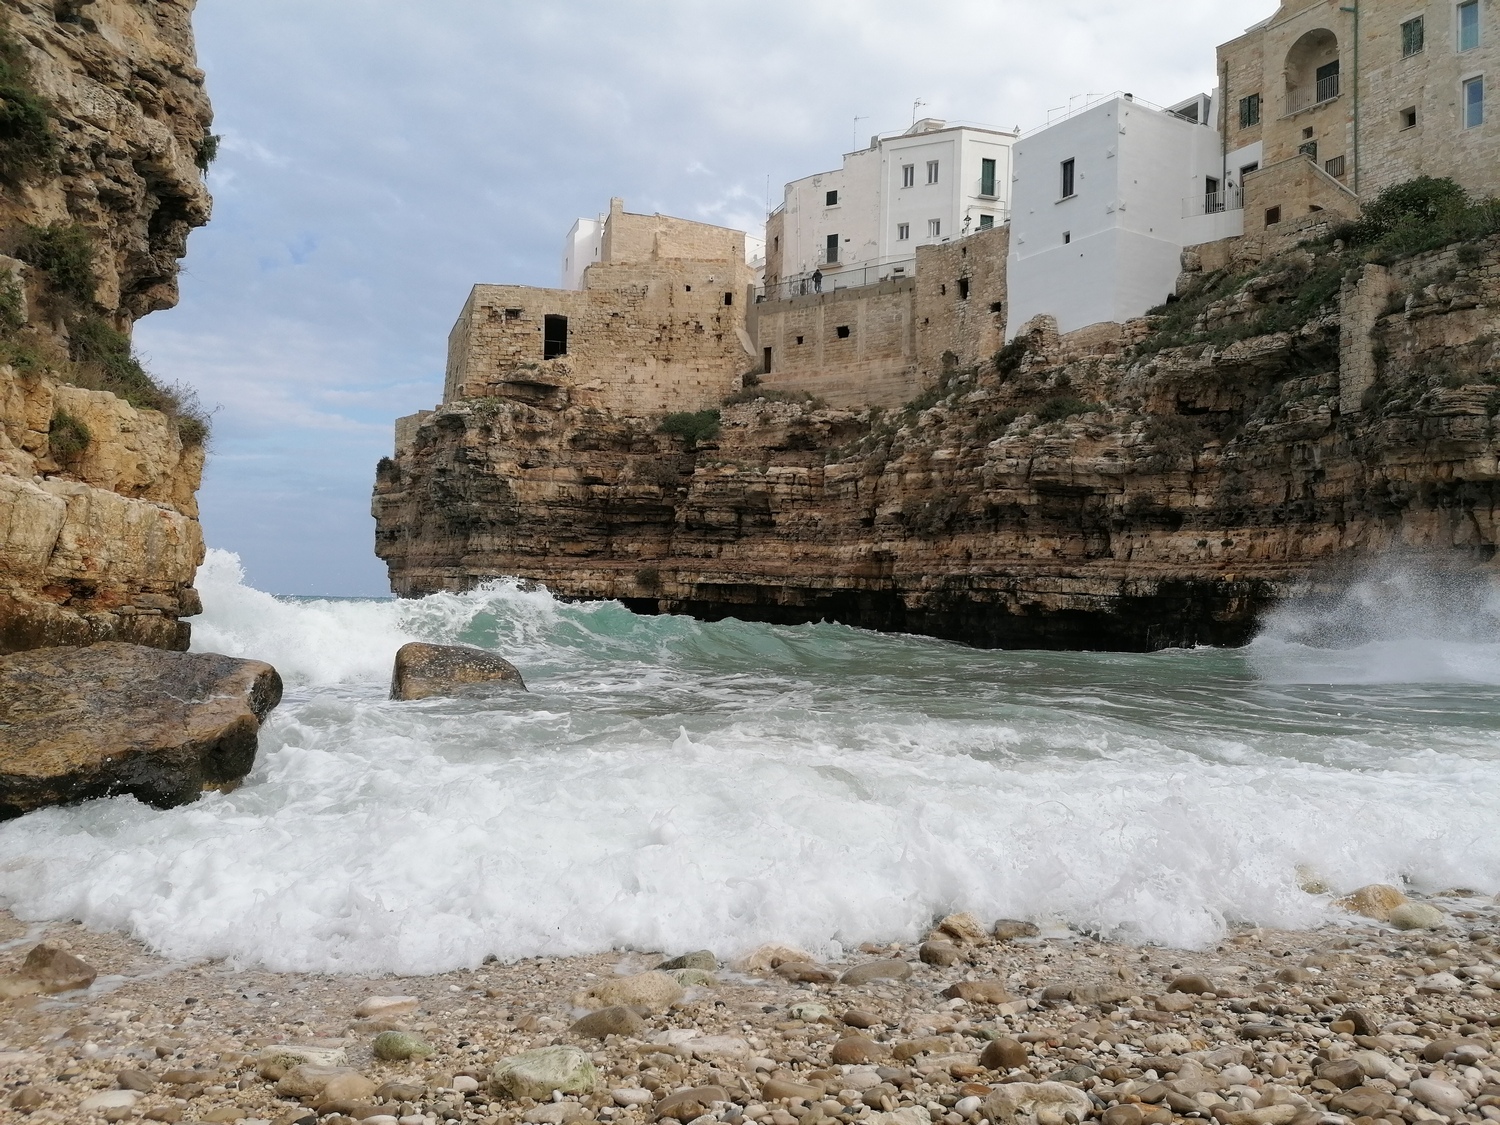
(1312, 70)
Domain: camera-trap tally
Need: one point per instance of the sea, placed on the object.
(668, 784)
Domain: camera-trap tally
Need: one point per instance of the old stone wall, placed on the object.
(1290, 192)
(648, 238)
(961, 301)
(99, 536)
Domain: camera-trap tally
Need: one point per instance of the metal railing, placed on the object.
(1325, 90)
(809, 284)
(1231, 198)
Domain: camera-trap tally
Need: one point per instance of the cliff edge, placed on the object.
(104, 140)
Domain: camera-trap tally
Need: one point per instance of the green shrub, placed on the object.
(691, 427)
(65, 251)
(208, 151)
(67, 437)
(1063, 406)
(1010, 357)
(12, 306)
(27, 144)
(1419, 215)
(105, 354)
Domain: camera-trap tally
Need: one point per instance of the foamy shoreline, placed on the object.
(1268, 1028)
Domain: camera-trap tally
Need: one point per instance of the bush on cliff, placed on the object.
(692, 427)
(65, 253)
(106, 361)
(68, 436)
(1420, 215)
(27, 144)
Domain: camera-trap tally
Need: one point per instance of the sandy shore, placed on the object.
(1359, 1021)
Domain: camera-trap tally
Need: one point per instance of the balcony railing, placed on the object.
(807, 284)
(1326, 90)
(1231, 198)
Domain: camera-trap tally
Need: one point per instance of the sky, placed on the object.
(381, 157)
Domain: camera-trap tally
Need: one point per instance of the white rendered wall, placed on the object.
(1114, 249)
(581, 249)
(855, 218)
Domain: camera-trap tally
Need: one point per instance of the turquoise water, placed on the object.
(669, 784)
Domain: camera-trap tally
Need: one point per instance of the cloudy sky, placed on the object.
(380, 157)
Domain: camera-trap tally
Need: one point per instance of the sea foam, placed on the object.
(672, 785)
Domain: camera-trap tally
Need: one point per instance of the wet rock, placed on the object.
(686, 1105)
(654, 991)
(964, 929)
(617, 1020)
(979, 992)
(769, 957)
(806, 972)
(111, 719)
(694, 978)
(1009, 929)
(423, 671)
(1417, 916)
(536, 1074)
(1004, 1054)
(858, 1017)
(785, 1088)
(702, 959)
(386, 1007)
(399, 1046)
(1375, 901)
(876, 970)
(939, 953)
(48, 970)
(137, 1080)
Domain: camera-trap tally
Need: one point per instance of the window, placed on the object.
(512, 314)
(842, 331)
(1273, 216)
(903, 232)
(776, 243)
(1409, 117)
(1468, 25)
(987, 177)
(1473, 103)
(799, 339)
(986, 222)
(1334, 167)
(1069, 167)
(908, 175)
(932, 171)
(728, 299)
(1308, 149)
(1250, 111)
(831, 200)
(831, 254)
(1413, 37)
(998, 307)
(554, 337)
(934, 228)
(1328, 81)
(765, 364)
(1067, 237)
(1246, 169)
(963, 289)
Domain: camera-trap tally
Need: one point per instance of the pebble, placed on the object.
(1009, 929)
(1441, 1097)
(965, 929)
(113, 1099)
(702, 959)
(384, 1007)
(979, 992)
(856, 1050)
(940, 953)
(1004, 1053)
(1193, 985)
(627, 1096)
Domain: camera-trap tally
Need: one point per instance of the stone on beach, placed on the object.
(702, 959)
(115, 719)
(1374, 901)
(1417, 916)
(536, 1074)
(385, 1007)
(423, 671)
(616, 1020)
(1010, 929)
(399, 1046)
(655, 991)
(48, 970)
(769, 957)
(979, 992)
(876, 970)
(964, 929)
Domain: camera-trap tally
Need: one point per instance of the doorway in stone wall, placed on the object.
(554, 337)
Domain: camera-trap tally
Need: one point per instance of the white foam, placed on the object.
(670, 785)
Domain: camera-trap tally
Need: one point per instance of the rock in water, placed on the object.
(423, 671)
(114, 718)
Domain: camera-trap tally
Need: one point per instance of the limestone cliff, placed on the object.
(103, 139)
(1128, 487)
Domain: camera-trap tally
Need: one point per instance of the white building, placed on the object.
(1105, 200)
(865, 220)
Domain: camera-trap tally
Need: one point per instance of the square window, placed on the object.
(799, 339)
(1413, 37)
(1250, 111)
(1409, 117)
(1069, 178)
(934, 228)
(963, 289)
(1468, 25)
(903, 232)
(843, 331)
(908, 175)
(986, 222)
(932, 171)
(831, 199)
(512, 314)
(1473, 103)
(1246, 169)
(1334, 167)
(1308, 149)
(1273, 216)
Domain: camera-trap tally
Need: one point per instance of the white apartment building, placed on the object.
(1105, 200)
(864, 221)
(584, 246)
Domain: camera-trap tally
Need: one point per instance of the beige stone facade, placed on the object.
(659, 325)
(961, 301)
(1365, 94)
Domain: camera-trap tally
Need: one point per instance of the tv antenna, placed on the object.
(857, 120)
(916, 105)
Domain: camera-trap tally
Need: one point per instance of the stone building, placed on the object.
(1330, 101)
(658, 326)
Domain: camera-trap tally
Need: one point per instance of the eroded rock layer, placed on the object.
(1101, 490)
(99, 534)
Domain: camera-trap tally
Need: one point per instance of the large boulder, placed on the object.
(114, 718)
(423, 671)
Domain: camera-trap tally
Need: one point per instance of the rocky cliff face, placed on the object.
(1128, 487)
(105, 127)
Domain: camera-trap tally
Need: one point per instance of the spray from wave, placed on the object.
(669, 784)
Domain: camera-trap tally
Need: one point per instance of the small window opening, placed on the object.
(831, 199)
(1473, 103)
(1409, 117)
(934, 228)
(512, 314)
(765, 364)
(843, 331)
(1334, 167)
(963, 289)
(799, 339)
(776, 242)
(1246, 169)
(728, 299)
(689, 288)
(554, 337)
(942, 290)
(998, 307)
(1309, 148)
(1067, 237)
(1069, 178)
(831, 254)
(1273, 216)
